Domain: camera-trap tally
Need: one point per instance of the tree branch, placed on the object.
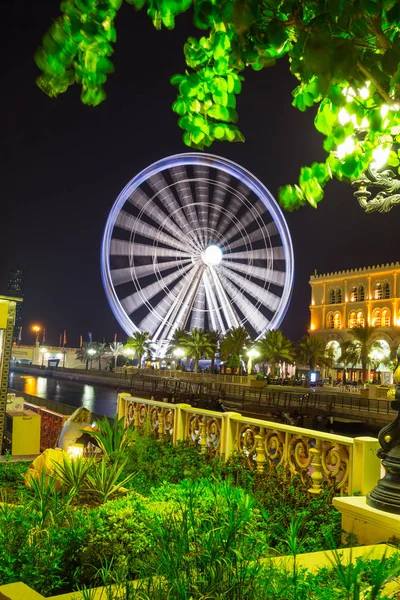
(376, 83)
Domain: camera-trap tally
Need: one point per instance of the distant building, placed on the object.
(16, 288)
(369, 296)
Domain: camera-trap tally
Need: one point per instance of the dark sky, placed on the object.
(63, 164)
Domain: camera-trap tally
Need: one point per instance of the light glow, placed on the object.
(346, 148)
(75, 451)
(380, 156)
(212, 256)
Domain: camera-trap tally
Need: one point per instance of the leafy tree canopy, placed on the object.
(345, 55)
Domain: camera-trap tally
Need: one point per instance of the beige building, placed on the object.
(369, 296)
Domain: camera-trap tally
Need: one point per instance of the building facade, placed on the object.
(369, 296)
(16, 288)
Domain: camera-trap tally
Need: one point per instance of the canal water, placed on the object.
(98, 399)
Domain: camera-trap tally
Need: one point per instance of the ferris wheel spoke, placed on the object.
(199, 306)
(159, 316)
(261, 295)
(182, 185)
(250, 216)
(181, 316)
(263, 273)
(218, 198)
(213, 311)
(169, 315)
(120, 276)
(268, 254)
(147, 206)
(254, 236)
(172, 206)
(253, 316)
(202, 199)
(224, 302)
(129, 223)
(124, 248)
(135, 300)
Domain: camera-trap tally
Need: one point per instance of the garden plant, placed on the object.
(153, 520)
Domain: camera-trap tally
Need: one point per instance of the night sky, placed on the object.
(63, 164)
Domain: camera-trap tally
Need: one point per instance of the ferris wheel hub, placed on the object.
(212, 255)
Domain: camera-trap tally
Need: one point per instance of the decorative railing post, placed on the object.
(366, 467)
(121, 404)
(180, 422)
(260, 453)
(136, 421)
(203, 437)
(229, 432)
(317, 476)
(160, 424)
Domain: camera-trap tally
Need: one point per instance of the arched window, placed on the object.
(337, 320)
(339, 295)
(361, 293)
(385, 318)
(352, 319)
(332, 297)
(376, 318)
(378, 291)
(386, 289)
(354, 294)
(360, 319)
(330, 321)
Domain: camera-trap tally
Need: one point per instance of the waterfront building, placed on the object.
(46, 356)
(16, 289)
(367, 296)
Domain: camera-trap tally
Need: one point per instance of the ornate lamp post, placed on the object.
(387, 196)
(386, 494)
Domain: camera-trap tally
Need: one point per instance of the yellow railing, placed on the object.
(317, 458)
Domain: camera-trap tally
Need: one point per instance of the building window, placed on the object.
(378, 291)
(332, 297)
(376, 318)
(354, 294)
(339, 295)
(361, 293)
(386, 290)
(330, 321)
(337, 321)
(360, 319)
(352, 319)
(385, 319)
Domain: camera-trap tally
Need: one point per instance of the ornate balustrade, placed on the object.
(317, 458)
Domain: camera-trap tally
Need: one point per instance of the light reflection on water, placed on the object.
(98, 399)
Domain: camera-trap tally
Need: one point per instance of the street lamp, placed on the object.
(43, 351)
(36, 330)
(129, 353)
(91, 352)
(252, 354)
(179, 353)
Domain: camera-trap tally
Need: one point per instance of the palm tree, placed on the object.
(86, 353)
(235, 342)
(140, 344)
(311, 352)
(198, 345)
(116, 349)
(275, 348)
(348, 356)
(214, 337)
(361, 338)
(100, 352)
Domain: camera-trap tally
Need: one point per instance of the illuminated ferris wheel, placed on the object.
(195, 240)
